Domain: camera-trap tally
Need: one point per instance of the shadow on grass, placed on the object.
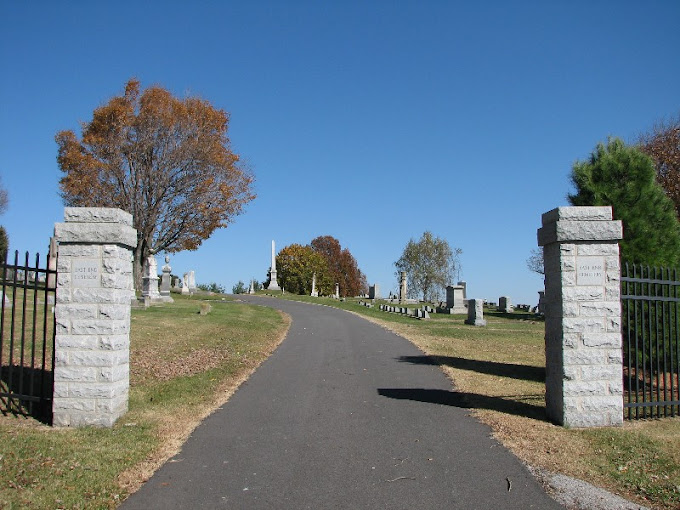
(23, 392)
(467, 401)
(511, 370)
(528, 317)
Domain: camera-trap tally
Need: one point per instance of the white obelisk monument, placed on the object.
(273, 285)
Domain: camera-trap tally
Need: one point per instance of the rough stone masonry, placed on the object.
(584, 382)
(92, 341)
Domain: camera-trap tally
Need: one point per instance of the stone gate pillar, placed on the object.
(94, 290)
(584, 372)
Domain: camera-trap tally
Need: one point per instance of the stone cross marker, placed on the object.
(92, 315)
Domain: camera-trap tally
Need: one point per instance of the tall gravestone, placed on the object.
(273, 284)
(191, 280)
(582, 306)
(402, 287)
(185, 284)
(374, 291)
(92, 314)
(166, 279)
(150, 279)
(314, 292)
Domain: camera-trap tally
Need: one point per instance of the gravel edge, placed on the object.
(576, 494)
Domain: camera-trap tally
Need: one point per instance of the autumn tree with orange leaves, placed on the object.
(662, 144)
(165, 160)
(296, 266)
(342, 265)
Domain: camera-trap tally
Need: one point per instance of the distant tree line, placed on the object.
(211, 287)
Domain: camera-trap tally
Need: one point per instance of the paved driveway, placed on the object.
(335, 419)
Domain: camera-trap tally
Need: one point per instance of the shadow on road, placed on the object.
(468, 401)
(514, 371)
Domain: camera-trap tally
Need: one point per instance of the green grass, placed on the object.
(181, 365)
(42, 468)
(642, 464)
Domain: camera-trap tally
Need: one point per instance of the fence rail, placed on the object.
(27, 337)
(650, 298)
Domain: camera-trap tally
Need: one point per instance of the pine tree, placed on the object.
(623, 177)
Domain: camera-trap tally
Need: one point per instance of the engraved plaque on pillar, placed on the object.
(590, 271)
(85, 273)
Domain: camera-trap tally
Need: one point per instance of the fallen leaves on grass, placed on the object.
(148, 364)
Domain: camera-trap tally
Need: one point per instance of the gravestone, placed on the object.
(185, 284)
(505, 304)
(251, 290)
(315, 293)
(165, 282)
(337, 291)
(52, 264)
(150, 280)
(455, 299)
(464, 285)
(476, 312)
(374, 291)
(192, 282)
(402, 287)
(541, 297)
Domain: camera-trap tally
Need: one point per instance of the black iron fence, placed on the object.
(27, 337)
(651, 341)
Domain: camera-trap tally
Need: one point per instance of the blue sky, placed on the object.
(371, 121)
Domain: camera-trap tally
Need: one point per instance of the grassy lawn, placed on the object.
(500, 370)
(183, 365)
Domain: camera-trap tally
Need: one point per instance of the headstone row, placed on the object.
(417, 313)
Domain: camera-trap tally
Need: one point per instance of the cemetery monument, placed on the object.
(273, 284)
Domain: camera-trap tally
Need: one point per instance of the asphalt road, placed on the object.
(336, 418)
